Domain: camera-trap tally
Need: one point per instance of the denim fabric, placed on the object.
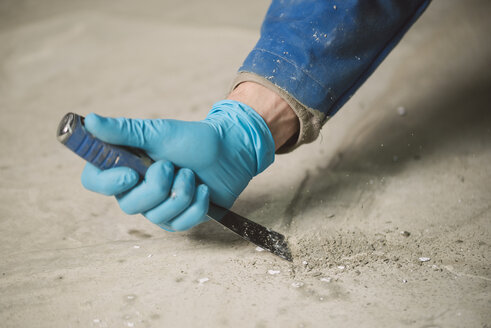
(320, 52)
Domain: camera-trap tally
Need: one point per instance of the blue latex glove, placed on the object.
(196, 162)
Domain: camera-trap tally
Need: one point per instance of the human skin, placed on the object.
(278, 115)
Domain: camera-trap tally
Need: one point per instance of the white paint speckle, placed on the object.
(424, 259)
(401, 111)
(304, 263)
(297, 284)
(341, 267)
(326, 279)
(272, 272)
(136, 246)
(201, 281)
(149, 255)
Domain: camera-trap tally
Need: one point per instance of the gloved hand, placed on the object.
(196, 162)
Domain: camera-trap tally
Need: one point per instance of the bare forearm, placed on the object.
(278, 115)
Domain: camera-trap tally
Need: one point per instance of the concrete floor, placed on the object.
(71, 258)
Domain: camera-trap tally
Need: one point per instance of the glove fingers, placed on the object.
(181, 196)
(122, 131)
(194, 214)
(109, 182)
(152, 191)
(186, 144)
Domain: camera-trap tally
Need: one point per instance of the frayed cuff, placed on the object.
(311, 120)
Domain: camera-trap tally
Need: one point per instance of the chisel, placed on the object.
(72, 133)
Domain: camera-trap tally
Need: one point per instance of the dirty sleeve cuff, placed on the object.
(311, 120)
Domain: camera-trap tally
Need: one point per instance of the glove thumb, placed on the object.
(120, 131)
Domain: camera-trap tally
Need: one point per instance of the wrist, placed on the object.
(245, 133)
(280, 118)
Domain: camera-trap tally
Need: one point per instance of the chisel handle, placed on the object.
(72, 133)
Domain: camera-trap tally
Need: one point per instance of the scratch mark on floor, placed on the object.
(461, 274)
(292, 208)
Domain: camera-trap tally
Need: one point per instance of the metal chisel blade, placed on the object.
(252, 231)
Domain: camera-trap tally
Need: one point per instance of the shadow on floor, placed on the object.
(452, 113)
